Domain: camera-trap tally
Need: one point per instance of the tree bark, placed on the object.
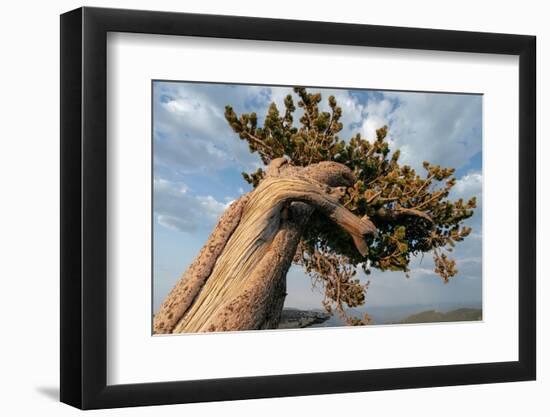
(238, 280)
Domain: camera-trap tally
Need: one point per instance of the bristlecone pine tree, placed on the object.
(324, 203)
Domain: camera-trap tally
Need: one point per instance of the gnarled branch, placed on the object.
(234, 279)
(400, 212)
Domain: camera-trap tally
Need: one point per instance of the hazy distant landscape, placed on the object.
(433, 316)
(295, 318)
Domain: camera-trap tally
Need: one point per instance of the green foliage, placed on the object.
(411, 211)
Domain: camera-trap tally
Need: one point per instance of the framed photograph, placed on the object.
(258, 208)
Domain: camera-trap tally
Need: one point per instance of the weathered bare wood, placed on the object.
(234, 278)
(238, 281)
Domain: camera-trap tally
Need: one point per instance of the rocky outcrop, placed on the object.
(292, 318)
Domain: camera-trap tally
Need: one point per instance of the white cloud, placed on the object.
(177, 223)
(444, 128)
(470, 185)
(177, 209)
(421, 271)
(211, 207)
(377, 114)
(352, 111)
(470, 260)
(191, 133)
(440, 128)
(278, 95)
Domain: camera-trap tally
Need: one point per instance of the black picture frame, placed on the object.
(84, 207)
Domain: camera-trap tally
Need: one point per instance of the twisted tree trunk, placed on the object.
(238, 280)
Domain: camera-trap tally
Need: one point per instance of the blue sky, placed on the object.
(198, 162)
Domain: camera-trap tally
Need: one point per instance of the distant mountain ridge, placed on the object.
(294, 318)
(434, 316)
